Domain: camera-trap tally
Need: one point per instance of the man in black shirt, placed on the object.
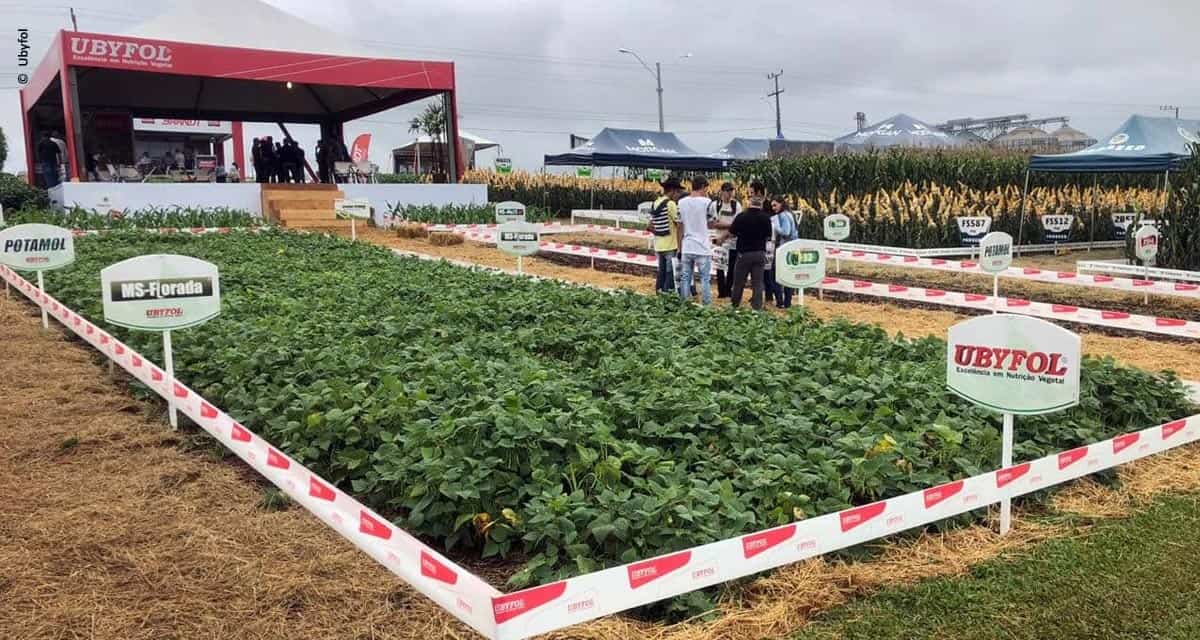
(48, 158)
(753, 229)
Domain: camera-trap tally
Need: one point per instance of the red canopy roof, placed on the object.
(160, 78)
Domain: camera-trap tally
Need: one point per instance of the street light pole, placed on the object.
(658, 79)
(657, 73)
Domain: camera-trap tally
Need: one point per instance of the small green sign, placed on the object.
(654, 174)
(583, 172)
(504, 165)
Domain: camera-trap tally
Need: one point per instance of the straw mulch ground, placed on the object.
(114, 527)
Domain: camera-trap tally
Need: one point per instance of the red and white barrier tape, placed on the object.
(553, 606)
(464, 595)
(1063, 312)
(1067, 313)
(1136, 285)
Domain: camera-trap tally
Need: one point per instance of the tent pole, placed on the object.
(1166, 192)
(1021, 227)
(1092, 226)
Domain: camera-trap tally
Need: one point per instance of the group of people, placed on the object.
(745, 244)
(278, 162)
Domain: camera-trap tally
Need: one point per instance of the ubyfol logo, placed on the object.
(121, 51)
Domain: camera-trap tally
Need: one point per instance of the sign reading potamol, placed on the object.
(837, 227)
(510, 212)
(359, 208)
(1057, 228)
(160, 292)
(971, 229)
(1145, 243)
(995, 252)
(36, 247)
(1015, 364)
(518, 238)
(800, 264)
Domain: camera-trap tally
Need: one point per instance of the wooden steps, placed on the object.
(303, 206)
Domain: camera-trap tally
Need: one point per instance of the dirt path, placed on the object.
(111, 530)
(1179, 356)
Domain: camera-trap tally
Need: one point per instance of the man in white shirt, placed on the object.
(697, 246)
(723, 210)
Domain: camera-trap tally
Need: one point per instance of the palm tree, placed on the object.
(432, 122)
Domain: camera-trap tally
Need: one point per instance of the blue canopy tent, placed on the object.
(901, 130)
(1142, 144)
(637, 148)
(745, 149)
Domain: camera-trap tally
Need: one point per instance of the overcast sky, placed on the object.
(530, 73)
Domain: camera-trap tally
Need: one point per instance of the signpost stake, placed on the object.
(801, 296)
(519, 269)
(42, 286)
(1006, 462)
(837, 262)
(995, 293)
(353, 231)
(169, 362)
(1145, 263)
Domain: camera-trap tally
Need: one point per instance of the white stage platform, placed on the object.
(134, 196)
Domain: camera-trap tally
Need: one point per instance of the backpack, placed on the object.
(660, 223)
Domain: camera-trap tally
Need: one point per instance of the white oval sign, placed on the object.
(800, 263)
(644, 210)
(518, 238)
(1014, 364)
(1145, 243)
(510, 211)
(36, 247)
(352, 208)
(995, 252)
(160, 292)
(837, 227)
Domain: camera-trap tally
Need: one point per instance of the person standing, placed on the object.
(298, 152)
(664, 224)
(753, 230)
(722, 211)
(784, 229)
(287, 160)
(256, 159)
(180, 160)
(270, 160)
(48, 159)
(696, 248)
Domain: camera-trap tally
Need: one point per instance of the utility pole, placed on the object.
(74, 22)
(775, 93)
(1170, 107)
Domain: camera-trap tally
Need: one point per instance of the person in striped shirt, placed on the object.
(664, 224)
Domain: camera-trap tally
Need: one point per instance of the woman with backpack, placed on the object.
(785, 228)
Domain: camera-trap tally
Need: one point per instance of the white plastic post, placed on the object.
(519, 269)
(1146, 299)
(42, 286)
(169, 361)
(801, 296)
(995, 293)
(837, 262)
(1006, 455)
(353, 231)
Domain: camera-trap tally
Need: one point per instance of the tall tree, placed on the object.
(432, 122)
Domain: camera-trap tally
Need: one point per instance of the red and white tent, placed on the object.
(238, 60)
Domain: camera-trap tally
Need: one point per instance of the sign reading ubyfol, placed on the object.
(160, 292)
(1015, 364)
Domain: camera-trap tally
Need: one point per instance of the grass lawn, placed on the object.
(1135, 578)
